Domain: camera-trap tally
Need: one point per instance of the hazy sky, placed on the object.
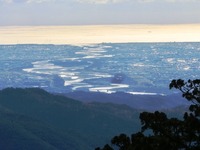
(86, 12)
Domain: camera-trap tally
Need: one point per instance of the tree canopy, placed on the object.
(160, 132)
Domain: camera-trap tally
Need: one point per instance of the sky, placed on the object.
(98, 12)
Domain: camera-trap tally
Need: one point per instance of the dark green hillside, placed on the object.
(20, 132)
(35, 119)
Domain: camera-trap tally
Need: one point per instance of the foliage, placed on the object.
(160, 132)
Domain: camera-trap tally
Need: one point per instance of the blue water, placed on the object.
(131, 67)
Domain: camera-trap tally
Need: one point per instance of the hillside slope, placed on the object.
(35, 119)
(142, 102)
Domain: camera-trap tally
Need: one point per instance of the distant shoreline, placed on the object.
(94, 34)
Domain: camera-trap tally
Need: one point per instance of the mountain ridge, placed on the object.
(139, 102)
(56, 122)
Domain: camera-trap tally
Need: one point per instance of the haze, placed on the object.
(80, 35)
(98, 12)
(96, 21)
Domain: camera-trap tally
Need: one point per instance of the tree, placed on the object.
(160, 132)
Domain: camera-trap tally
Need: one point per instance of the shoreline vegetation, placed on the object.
(94, 34)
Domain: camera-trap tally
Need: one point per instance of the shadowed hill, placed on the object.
(34, 119)
(142, 102)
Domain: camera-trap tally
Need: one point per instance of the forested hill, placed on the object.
(137, 101)
(35, 119)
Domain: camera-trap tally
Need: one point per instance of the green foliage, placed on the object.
(160, 132)
(190, 89)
